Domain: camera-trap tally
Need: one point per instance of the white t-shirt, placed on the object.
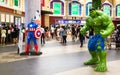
(9, 31)
(42, 30)
(3, 33)
(52, 29)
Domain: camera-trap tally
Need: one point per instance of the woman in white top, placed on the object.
(3, 35)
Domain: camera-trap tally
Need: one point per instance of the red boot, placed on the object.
(36, 47)
(27, 48)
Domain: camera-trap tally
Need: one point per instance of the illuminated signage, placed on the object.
(69, 21)
(2, 0)
(75, 9)
(57, 8)
(16, 2)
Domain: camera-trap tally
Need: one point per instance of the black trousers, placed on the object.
(43, 39)
(64, 39)
(52, 34)
(81, 42)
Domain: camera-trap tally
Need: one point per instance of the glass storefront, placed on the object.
(118, 10)
(106, 9)
(88, 6)
(16, 3)
(75, 8)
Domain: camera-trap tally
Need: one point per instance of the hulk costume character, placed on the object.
(103, 27)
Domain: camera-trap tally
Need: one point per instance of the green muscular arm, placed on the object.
(84, 29)
(109, 27)
(86, 26)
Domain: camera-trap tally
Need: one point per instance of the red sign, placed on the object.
(42, 2)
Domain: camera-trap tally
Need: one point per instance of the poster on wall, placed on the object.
(118, 11)
(11, 19)
(17, 21)
(22, 19)
(75, 9)
(106, 9)
(57, 8)
(2, 17)
(7, 18)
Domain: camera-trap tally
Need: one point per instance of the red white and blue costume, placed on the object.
(31, 28)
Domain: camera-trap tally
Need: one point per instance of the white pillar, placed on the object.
(30, 10)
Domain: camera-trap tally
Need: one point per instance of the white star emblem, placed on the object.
(31, 25)
(38, 33)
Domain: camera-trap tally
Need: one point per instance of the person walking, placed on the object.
(16, 34)
(81, 38)
(52, 32)
(43, 35)
(73, 33)
(3, 36)
(64, 35)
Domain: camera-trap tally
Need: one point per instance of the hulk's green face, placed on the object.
(93, 13)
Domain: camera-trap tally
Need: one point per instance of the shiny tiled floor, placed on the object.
(113, 69)
(56, 59)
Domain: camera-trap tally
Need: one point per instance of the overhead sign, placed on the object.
(69, 21)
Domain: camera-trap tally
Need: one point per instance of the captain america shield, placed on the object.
(37, 33)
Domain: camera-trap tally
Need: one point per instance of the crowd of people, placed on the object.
(60, 32)
(8, 34)
(117, 37)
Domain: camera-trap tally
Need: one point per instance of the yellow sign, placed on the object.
(17, 12)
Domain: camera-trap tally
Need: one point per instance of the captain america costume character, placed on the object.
(31, 27)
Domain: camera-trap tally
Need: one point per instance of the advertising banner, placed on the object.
(69, 21)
